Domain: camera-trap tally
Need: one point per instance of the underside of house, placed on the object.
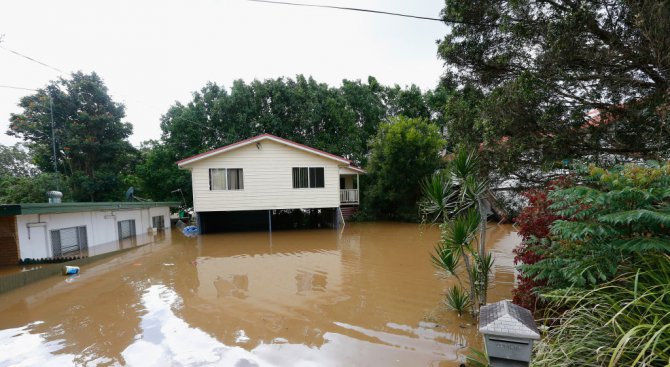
(263, 220)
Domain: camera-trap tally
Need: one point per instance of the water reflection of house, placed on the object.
(271, 279)
(239, 185)
(44, 230)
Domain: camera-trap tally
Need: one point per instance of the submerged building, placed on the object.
(56, 230)
(243, 184)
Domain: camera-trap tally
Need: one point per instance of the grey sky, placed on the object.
(153, 53)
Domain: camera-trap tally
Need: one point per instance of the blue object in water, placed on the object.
(190, 230)
(70, 270)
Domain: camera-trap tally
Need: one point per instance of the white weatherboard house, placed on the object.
(267, 173)
(46, 230)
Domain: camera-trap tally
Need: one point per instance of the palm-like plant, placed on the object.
(440, 197)
(458, 300)
(456, 197)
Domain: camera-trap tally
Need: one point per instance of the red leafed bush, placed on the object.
(534, 221)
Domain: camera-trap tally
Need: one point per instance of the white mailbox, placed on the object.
(509, 331)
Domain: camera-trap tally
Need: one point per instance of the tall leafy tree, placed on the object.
(403, 153)
(91, 144)
(545, 81)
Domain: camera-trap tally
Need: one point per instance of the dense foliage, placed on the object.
(22, 181)
(624, 322)
(612, 218)
(403, 153)
(92, 150)
(16, 161)
(595, 246)
(542, 82)
(533, 223)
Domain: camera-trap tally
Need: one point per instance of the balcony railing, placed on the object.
(349, 196)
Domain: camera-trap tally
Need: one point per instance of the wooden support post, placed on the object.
(270, 220)
(337, 218)
(199, 222)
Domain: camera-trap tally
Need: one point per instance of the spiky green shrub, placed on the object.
(476, 358)
(624, 322)
(457, 300)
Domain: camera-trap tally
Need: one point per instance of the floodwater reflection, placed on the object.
(364, 296)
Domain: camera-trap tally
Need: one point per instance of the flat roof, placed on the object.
(46, 208)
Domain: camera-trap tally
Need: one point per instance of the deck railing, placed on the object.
(349, 196)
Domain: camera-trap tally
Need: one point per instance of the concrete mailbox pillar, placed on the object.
(509, 331)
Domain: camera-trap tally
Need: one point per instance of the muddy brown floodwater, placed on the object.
(363, 296)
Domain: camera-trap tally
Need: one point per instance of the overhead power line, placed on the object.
(20, 88)
(31, 59)
(348, 8)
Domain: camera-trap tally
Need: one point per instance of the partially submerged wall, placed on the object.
(33, 230)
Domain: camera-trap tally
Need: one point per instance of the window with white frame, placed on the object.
(308, 177)
(226, 179)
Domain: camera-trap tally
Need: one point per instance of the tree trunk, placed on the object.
(482, 244)
(473, 293)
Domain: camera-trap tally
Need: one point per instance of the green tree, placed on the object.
(20, 180)
(404, 152)
(30, 189)
(530, 71)
(159, 176)
(91, 144)
(15, 160)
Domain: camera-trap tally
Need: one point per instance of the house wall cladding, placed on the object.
(9, 246)
(268, 180)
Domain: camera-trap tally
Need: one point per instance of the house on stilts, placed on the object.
(251, 183)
